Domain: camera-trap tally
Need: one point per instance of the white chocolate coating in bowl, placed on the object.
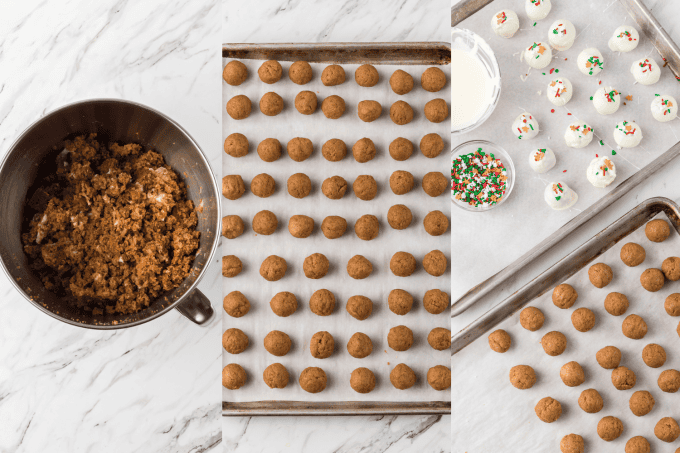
(664, 108)
(624, 39)
(559, 91)
(627, 134)
(538, 55)
(601, 172)
(525, 126)
(578, 135)
(606, 100)
(559, 196)
(505, 23)
(542, 160)
(590, 61)
(646, 71)
(537, 9)
(562, 35)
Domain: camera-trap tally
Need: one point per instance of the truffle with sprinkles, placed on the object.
(478, 179)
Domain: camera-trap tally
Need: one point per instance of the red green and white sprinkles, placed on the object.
(645, 65)
(592, 63)
(626, 34)
(501, 18)
(558, 190)
(478, 179)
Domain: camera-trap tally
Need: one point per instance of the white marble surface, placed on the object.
(149, 388)
(319, 21)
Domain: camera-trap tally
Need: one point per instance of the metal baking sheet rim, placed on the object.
(406, 53)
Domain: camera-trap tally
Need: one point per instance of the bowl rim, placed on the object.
(201, 272)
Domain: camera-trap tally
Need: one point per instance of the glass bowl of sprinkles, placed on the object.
(482, 176)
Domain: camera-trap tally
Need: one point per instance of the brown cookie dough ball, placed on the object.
(333, 75)
(231, 266)
(233, 376)
(300, 226)
(548, 409)
(235, 73)
(522, 377)
(609, 428)
(637, 444)
(401, 182)
(239, 107)
(234, 341)
(431, 145)
(277, 343)
(572, 374)
(334, 150)
(322, 345)
(360, 307)
(306, 102)
(284, 304)
(435, 263)
(672, 304)
(572, 443)
(300, 72)
(400, 338)
(554, 343)
(616, 304)
(236, 304)
(633, 254)
(401, 82)
(364, 150)
(531, 318)
(236, 145)
(600, 275)
(669, 381)
(667, 429)
(276, 376)
(366, 76)
(435, 183)
(358, 267)
(333, 226)
(564, 296)
(634, 327)
(623, 378)
(265, 222)
(499, 341)
(641, 403)
(439, 377)
(435, 223)
(300, 149)
(233, 187)
(367, 227)
(657, 230)
(435, 301)
(299, 185)
(402, 377)
(362, 380)
(671, 268)
(652, 280)
(436, 110)
(316, 266)
(433, 80)
(232, 226)
(269, 149)
(401, 113)
(273, 268)
(333, 107)
(400, 302)
(401, 149)
(369, 111)
(654, 355)
(313, 380)
(365, 187)
(334, 187)
(322, 302)
(399, 217)
(608, 357)
(359, 345)
(402, 264)
(271, 104)
(270, 71)
(439, 338)
(583, 319)
(263, 185)
(590, 401)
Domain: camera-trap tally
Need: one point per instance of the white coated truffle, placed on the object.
(525, 126)
(606, 100)
(537, 9)
(562, 35)
(601, 172)
(625, 39)
(590, 61)
(559, 196)
(578, 135)
(627, 134)
(560, 91)
(646, 71)
(505, 23)
(664, 108)
(538, 55)
(542, 160)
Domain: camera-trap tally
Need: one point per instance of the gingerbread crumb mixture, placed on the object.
(112, 228)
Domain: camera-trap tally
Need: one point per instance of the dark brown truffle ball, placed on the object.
(548, 410)
(276, 376)
(623, 378)
(531, 318)
(401, 182)
(235, 73)
(299, 185)
(277, 343)
(402, 264)
(433, 79)
(641, 403)
(657, 230)
(360, 307)
(436, 110)
(333, 107)
(600, 275)
(400, 338)
(431, 145)
(362, 380)
(263, 185)
(359, 267)
(401, 149)
(435, 263)
(233, 376)
(236, 145)
(236, 304)
(269, 149)
(608, 357)
(334, 150)
(363, 150)
(436, 223)
(316, 266)
(299, 149)
(273, 268)
(322, 302)
(564, 296)
(591, 401)
(233, 187)
(234, 341)
(270, 71)
(365, 187)
(359, 346)
(669, 381)
(369, 111)
(435, 183)
(333, 226)
(400, 301)
(439, 377)
(306, 102)
(300, 226)
(300, 72)
(652, 280)
(322, 345)
(402, 377)
(265, 222)
(232, 226)
(638, 444)
(313, 380)
(401, 113)
(231, 266)
(439, 338)
(366, 75)
(499, 341)
(632, 254)
(367, 227)
(583, 319)
(399, 217)
(672, 304)
(435, 301)
(554, 343)
(401, 82)
(239, 107)
(671, 268)
(572, 374)
(616, 304)
(654, 355)
(333, 75)
(334, 187)
(284, 304)
(634, 327)
(572, 443)
(522, 377)
(609, 428)
(271, 104)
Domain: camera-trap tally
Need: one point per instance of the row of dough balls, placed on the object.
(322, 303)
(433, 79)
(334, 150)
(365, 187)
(314, 379)
(316, 266)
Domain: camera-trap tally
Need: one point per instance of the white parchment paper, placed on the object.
(252, 249)
(491, 415)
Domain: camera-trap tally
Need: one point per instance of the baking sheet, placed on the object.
(478, 390)
(254, 249)
(595, 23)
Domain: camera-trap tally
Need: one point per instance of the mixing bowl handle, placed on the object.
(196, 308)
